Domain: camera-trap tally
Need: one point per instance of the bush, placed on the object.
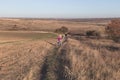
(62, 30)
(113, 30)
(93, 33)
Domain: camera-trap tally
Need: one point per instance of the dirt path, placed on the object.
(57, 65)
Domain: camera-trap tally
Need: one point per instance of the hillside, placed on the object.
(28, 51)
(78, 61)
(75, 60)
(17, 59)
(49, 25)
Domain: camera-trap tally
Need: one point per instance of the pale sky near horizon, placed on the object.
(60, 8)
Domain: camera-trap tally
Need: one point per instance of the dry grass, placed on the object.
(89, 63)
(22, 54)
(87, 59)
(18, 36)
(84, 60)
(47, 25)
(19, 60)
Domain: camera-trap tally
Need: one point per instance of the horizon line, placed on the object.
(59, 18)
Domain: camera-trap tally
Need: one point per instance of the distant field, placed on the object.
(50, 25)
(11, 36)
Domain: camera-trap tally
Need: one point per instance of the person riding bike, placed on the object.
(65, 37)
(59, 40)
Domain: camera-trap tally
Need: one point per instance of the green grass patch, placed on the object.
(23, 36)
(43, 36)
(27, 35)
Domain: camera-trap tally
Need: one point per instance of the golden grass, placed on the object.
(46, 25)
(17, 36)
(75, 60)
(93, 64)
(87, 59)
(19, 60)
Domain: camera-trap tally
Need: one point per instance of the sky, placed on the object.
(60, 8)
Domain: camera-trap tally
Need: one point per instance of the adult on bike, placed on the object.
(66, 37)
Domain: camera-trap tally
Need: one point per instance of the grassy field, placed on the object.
(16, 36)
(50, 25)
(23, 52)
(17, 60)
(28, 51)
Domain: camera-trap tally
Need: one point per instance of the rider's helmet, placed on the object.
(60, 36)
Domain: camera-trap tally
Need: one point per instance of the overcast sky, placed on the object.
(60, 8)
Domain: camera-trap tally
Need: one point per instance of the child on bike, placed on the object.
(59, 40)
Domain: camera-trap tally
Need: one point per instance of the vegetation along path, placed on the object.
(74, 60)
(77, 61)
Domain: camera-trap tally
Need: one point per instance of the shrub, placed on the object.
(113, 30)
(63, 29)
(93, 33)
